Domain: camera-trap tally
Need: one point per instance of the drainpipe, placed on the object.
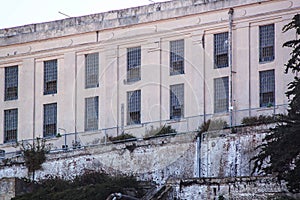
(230, 13)
(199, 156)
(160, 81)
(249, 63)
(118, 89)
(34, 88)
(204, 87)
(75, 100)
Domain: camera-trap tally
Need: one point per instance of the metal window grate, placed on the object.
(11, 83)
(221, 94)
(134, 107)
(221, 50)
(50, 77)
(134, 64)
(91, 113)
(176, 101)
(92, 70)
(10, 125)
(266, 88)
(266, 43)
(177, 57)
(50, 120)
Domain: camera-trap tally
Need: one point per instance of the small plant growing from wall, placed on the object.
(212, 125)
(34, 154)
(159, 131)
(122, 137)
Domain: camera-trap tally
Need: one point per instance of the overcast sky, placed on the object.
(21, 12)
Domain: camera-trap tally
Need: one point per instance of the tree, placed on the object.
(280, 153)
(34, 154)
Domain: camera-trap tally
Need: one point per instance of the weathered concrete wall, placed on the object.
(224, 154)
(241, 188)
(7, 188)
(155, 160)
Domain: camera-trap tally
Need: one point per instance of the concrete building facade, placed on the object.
(178, 63)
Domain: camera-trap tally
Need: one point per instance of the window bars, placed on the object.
(91, 113)
(221, 50)
(177, 57)
(221, 94)
(50, 120)
(134, 107)
(10, 125)
(266, 88)
(176, 101)
(92, 70)
(133, 64)
(11, 83)
(50, 77)
(266, 43)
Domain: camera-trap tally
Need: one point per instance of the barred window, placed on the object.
(10, 125)
(266, 88)
(91, 113)
(266, 43)
(176, 101)
(177, 57)
(221, 94)
(134, 107)
(221, 50)
(134, 64)
(50, 77)
(50, 120)
(92, 70)
(11, 83)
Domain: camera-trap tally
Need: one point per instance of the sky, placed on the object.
(21, 12)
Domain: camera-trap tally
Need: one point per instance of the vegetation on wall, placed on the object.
(262, 119)
(160, 131)
(34, 154)
(90, 186)
(212, 125)
(122, 137)
(280, 152)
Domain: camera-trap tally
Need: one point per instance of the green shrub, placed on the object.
(212, 125)
(262, 119)
(162, 130)
(90, 186)
(122, 137)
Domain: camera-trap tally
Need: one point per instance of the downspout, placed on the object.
(249, 63)
(204, 88)
(230, 13)
(199, 138)
(34, 88)
(118, 89)
(75, 100)
(160, 81)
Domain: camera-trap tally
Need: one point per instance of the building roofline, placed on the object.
(114, 19)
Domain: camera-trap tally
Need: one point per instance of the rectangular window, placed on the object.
(134, 64)
(92, 70)
(176, 57)
(50, 120)
(11, 83)
(267, 88)
(91, 113)
(134, 107)
(10, 125)
(221, 50)
(266, 43)
(176, 101)
(221, 94)
(50, 77)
